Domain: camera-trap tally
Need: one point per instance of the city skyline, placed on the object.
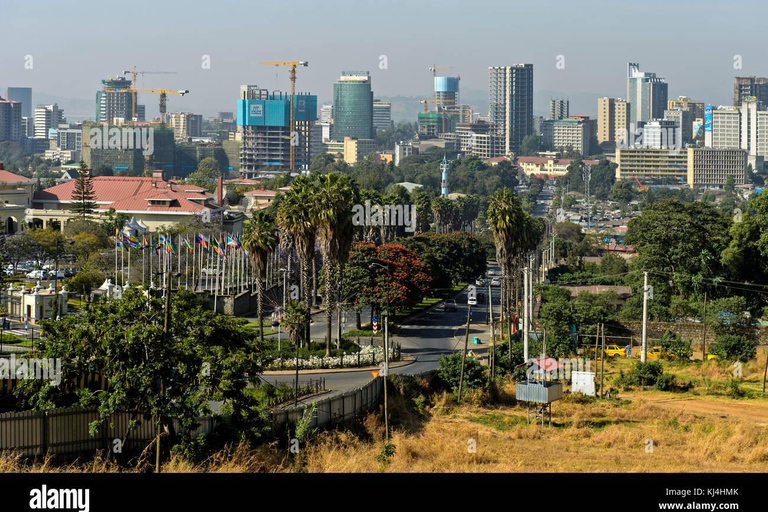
(568, 66)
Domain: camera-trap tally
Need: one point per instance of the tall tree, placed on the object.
(336, 195)
(297, 215)
(83, 197)
(260, 240)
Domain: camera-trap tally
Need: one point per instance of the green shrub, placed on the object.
(673, 344)
(735, 347)
(642, 374)
(450, 372)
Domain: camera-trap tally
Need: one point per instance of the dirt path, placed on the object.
(748, 410)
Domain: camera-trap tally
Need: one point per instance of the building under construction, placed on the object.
(264, 119)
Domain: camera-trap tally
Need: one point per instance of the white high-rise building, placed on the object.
(382, 115)
(47, 117)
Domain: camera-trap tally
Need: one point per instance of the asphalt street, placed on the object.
(425, 338)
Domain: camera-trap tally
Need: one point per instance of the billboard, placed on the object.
(708, 119)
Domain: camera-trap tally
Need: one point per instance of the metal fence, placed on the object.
(345, 406)
(67, 430)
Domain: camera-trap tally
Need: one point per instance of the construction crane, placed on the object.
(292, 64)
(434, 68)
(134, 73)
(640, 186)
(163, 93)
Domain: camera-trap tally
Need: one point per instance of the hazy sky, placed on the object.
(691, 43)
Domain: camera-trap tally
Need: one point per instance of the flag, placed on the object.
(202, 240)
(144, 241)
(132, 241)
(185, 243)
(119, 241)
(232, 242)
(169, 245)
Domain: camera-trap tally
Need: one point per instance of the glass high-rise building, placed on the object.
(353, 107)
(24, 96)
(510, 102)
(647, 95)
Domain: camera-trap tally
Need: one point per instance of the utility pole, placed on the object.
(525, 314)
(386, 369)
(602, 364)
(644, 347)
(493, 331)
(704, 323)
(464, 355)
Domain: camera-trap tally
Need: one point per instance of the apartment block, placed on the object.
(612, 121)
(645, 163)
(574, 133)
(711, 167)
(510, 102)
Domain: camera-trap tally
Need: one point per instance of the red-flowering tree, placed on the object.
(403, 284)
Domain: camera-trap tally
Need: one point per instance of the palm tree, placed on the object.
(515, 235)
(297, 216)
(294, 319)
(337, 194)
(505, 217)
(260, 240)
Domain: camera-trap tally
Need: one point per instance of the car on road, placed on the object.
(481, 298)
(496, 282)
(480, 282)
(38, 274)
(472, 301)
(449, 305)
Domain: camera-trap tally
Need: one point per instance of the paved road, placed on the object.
(425, 338)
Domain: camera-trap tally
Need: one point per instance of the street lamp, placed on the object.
(386, 350)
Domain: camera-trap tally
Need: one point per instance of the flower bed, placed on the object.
(368, 356)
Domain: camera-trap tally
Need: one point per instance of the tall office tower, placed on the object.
(353, 107)
(558, 109)
(10, 120)
(141, 112)
(47, 117)
(265, 121)
(647, 95)
(185, 125)
(446, 90)
(510, 102)
(326, 113)
(745, 86)
(24, 96)
(115, 100)
(684, 102)
(382, 115)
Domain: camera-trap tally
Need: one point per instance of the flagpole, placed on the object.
(129, 263)
(115, 257)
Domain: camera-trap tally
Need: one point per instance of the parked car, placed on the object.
(496, 282)
(615, 351)
(38, 274)
(480, 282)
(449, 305)
(210, 271)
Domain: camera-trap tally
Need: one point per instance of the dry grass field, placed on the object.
(704, 429)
